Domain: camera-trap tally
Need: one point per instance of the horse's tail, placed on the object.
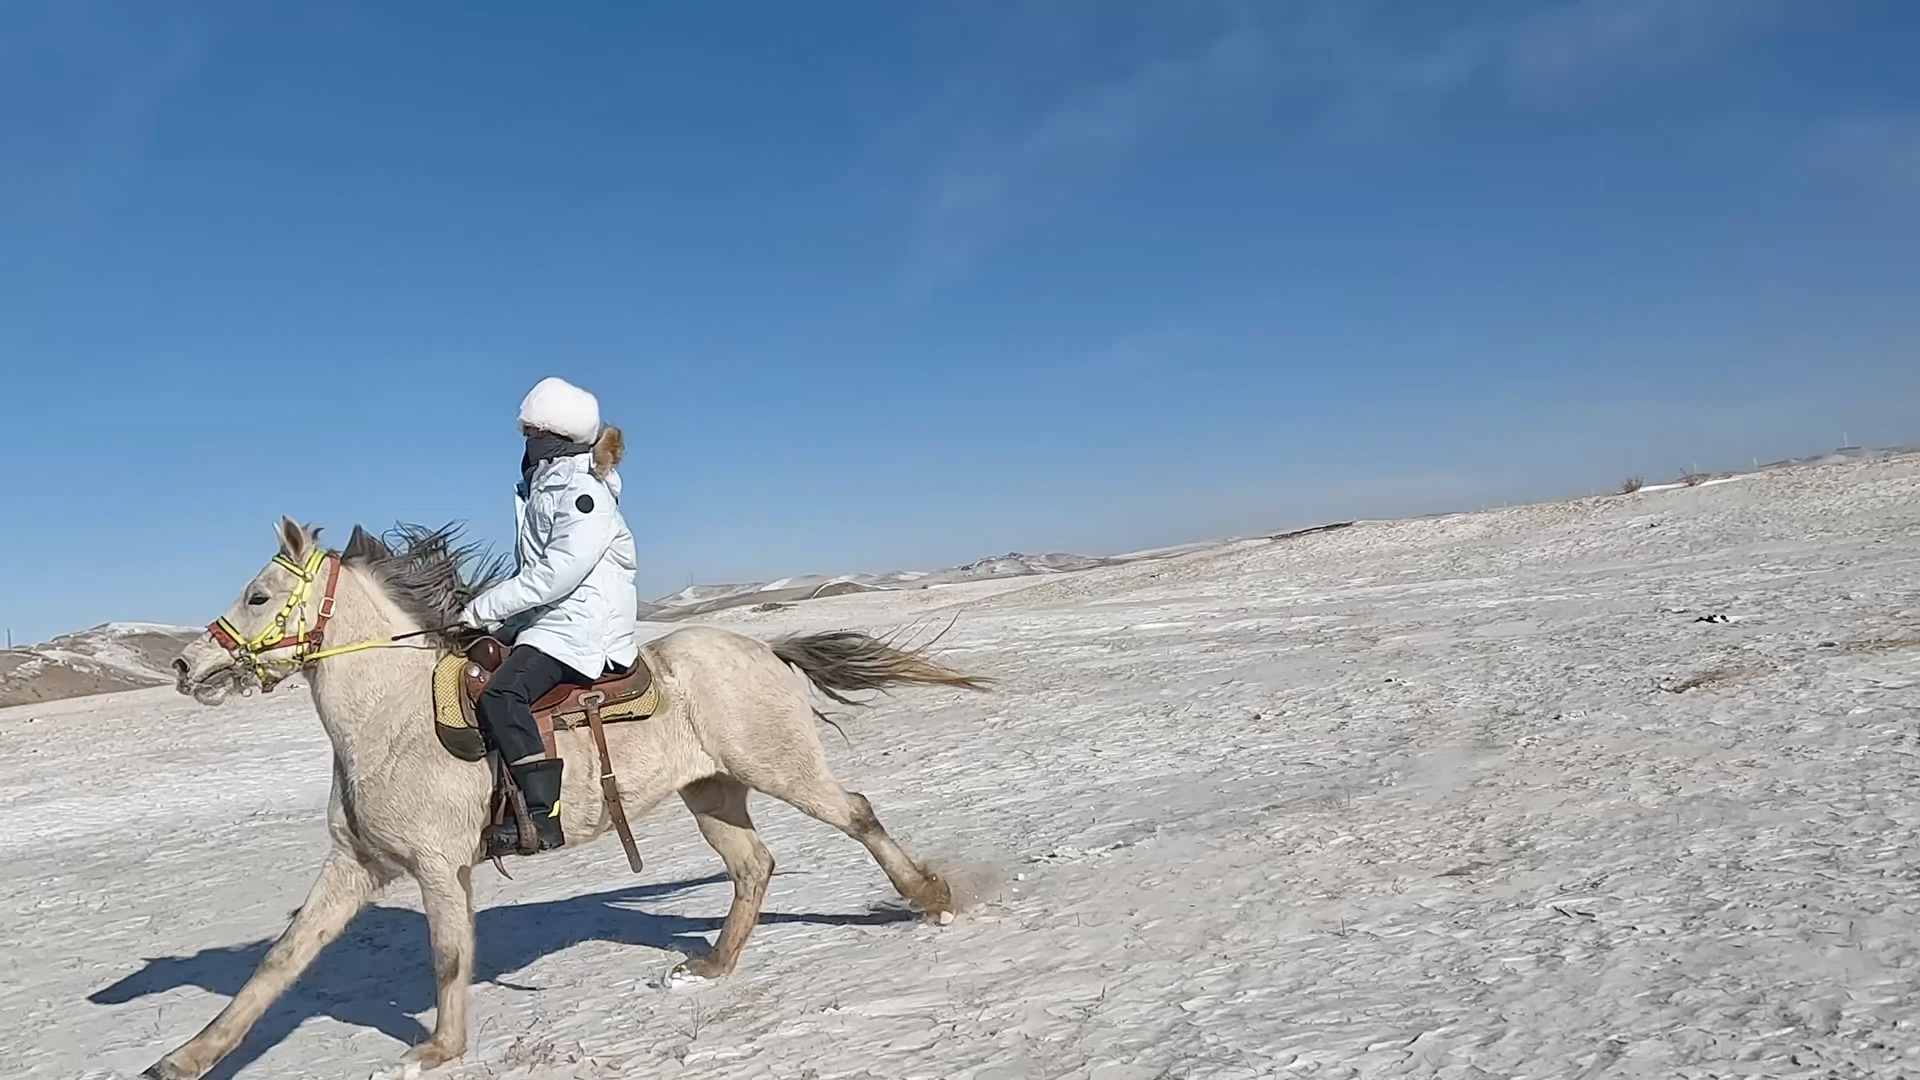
(847, 660)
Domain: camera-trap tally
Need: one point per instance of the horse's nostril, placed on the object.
(180, 668)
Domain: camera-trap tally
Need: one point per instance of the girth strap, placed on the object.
(609, 784)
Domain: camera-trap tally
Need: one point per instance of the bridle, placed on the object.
(289, 627)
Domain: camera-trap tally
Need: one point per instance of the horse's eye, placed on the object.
(258, 598)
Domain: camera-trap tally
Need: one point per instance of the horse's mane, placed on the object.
(424, 571)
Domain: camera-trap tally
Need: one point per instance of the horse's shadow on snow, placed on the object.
(379, 973)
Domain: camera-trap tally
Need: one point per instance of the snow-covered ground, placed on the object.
(1622, 787)
(696, 601)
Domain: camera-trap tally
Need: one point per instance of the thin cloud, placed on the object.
(976, 198)
(1332, 66)
(1609, 39)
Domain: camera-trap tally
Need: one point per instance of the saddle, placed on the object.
(624, 696)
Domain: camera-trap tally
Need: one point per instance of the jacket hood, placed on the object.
(601, 460)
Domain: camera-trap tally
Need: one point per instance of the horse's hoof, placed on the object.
(424, 1059)
(935, 901)
(691, 973)
(413, 1067)
(680, 979)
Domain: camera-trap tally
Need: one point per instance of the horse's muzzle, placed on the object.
(203, 671)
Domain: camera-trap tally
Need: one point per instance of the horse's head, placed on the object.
(272, 626)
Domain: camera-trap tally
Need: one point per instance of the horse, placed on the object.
(731, 719)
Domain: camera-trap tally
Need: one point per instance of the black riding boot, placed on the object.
(539, 783)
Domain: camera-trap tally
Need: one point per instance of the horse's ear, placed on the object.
(363, 545)
(296, 540)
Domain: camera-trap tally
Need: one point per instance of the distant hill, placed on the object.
(1843, 455)
(105, 659)
(127, 656)
(704, 599)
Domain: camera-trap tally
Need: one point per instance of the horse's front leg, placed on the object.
(344, 887)
(446, 892)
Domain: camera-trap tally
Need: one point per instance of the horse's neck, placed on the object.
(371, 702)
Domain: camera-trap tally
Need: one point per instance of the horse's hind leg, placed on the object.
(344, 887)
(815, 793)
(719, 804)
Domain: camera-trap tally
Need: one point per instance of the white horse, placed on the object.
(732, 719)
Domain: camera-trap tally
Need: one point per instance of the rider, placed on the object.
(573, 595)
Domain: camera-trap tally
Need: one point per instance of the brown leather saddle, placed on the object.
(616, 698)
(612, 699)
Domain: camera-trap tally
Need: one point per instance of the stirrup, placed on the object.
(509, 804)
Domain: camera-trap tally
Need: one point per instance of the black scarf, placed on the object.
(542, 448)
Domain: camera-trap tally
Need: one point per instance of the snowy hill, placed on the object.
(1615, 787)
(129, 655)
(704, 600)
(105, 659)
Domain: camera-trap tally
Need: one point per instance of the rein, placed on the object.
(289, 628)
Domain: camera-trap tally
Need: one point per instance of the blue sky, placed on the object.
(879, 285)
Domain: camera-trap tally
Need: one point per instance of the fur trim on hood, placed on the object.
(608, 449)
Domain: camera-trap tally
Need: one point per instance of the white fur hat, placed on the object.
(558, 406)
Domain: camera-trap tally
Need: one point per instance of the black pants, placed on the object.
(506, 705)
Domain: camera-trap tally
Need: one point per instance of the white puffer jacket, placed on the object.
(574, 591)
